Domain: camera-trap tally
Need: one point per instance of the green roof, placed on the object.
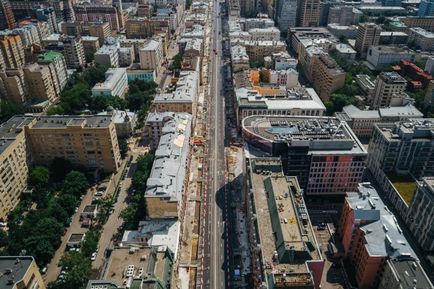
(404, 184)
(49, 56)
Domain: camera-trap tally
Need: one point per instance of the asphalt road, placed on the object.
(216, 237)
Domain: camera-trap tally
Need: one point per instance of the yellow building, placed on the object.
(20, 272)
(42, 82)
(139, 27)
(328, 76)
(12, 50)
(90, 141)
(14, 157)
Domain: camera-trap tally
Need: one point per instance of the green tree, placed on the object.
(79, 269)
(90, 243)
(39, 177)
(3, 239)
(9, 109)
(75, 183)
(68, 203)
(56, 109)
(51, 229)
(40, 247)
(337, 102)
(58, 212)
(176, 64)
(123, 147)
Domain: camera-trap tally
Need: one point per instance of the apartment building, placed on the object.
(124, 120)
(90, 141)
(403, 148)
(327, 75)
(167, 180)
(240, 58)
(14, 85)
(417, 75)
(57, 63)
(286, 15)
(344, 15)
(420, 216)
(422, 38)
(12, 49)
(100, 13)
(319, 36)
(424, 22)
(25, 273)
(100, 30)
(344, 51)
(371, 237)
(322, 152)
(183, 99)
(14, 159)
(367, 34)
(151, 55)
(90, 43)
(7, 18)
(136, 44)
(108, 54)
(362, 121)
(139, 27)
(426, 8)
(308, 13)
(257, 50)
(264, 34)
(74, 52)
(42, 82)
(292, 259)
(115, 84)
(388, 87)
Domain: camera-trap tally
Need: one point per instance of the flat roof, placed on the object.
(10, 129)
(279, 205)
(66, 121)
(76, 237)
(320, 134)
(18, 266)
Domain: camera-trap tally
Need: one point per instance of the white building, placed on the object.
(151, 55)
(124, 121)
(283, 61)
(345, 51)
(287, 78)
(382, 55)
(115, 84)
(108, 55)
(240, 59)
(266, 34)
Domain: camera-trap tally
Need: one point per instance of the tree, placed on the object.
(123, 147)
(337, 102)
(40, 247)
(79, 269)
(90, 243)
(59, 168)
(58, 212)
(75, 183)
(39, 177)
(68, 203)
(55, 109)
(90, 56)
(51, 229)
(3, 239)
(9, 109)
(176, 64)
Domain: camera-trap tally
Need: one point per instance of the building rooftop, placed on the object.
(10, 129)
(320, 134)
(108, 49)
(168, 170)
(418, 129)
(345, 49)
(392, 77)
(151, 45)
(186, 89)
(13, 269)
(49, 56)
(67, 121)
(119, 116)
(356, 113)
(410, 273)
(383, 235)
(281, 211)
(101, 284)
(408, 110)
(422, 32)
(112, 77)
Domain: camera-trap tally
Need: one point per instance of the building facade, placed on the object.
(367, 34)
(25, 273)
(389, 86)
(115, 84)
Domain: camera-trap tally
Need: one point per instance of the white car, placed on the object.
(93, 258)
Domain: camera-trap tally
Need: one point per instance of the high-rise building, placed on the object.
(328, 76)
(344, 15)
(14, 85)
(426, 8)
(406, 147)
(308, 13)
(42, 82)
(151, 55)
(22, 273)
(286, 14)
(12, 51)
(57, 62)
(14, 156)
(389, 86)
(367, 34)
(7, 18)
(48, 15)
(390, 3)
(100, 13)
(248, 8)
(372, 237)
(420, 216)
(322, 152)
(139, 27)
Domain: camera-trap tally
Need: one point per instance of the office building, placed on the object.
(20, 272)
(14, 157)
(319, 36)
(14, 85)
(362, 121)
(322, 152)
(345, 52)
(344, 15)
(403, 148)
(308, 13)
(339, 31)
(136, 44)
(264, 34)
(383, 56)
(292, 259)
(371, 236)
(12, 50)
(115, 84)
(42, 82)
(126, 56)
(422, 38)
(297, 101)
(183, 99)
(247, 8)
(151, 55)
(426, 8)
(286, 14)
(125, 121)
(429, 65)
(58, 63)
(7, 18)
(367, 34)
(393, 37)
(90, 141)
(420, 216)
(389, 86)
(424, 22)
(404, 273)
(327, 76)
(166, 183)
